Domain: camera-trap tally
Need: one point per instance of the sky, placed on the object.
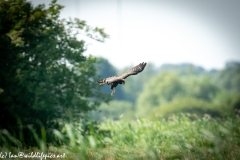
(203, 32)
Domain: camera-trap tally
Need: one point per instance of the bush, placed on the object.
(194, 106)
(159, 90)
(229, 102)
(235, 103)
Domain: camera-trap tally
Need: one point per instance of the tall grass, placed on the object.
(175, 138)
(178, 138)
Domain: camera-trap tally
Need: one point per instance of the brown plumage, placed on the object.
(114, 80)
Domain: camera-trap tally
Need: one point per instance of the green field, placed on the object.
(173, 138)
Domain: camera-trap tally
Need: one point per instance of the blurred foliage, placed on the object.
(175, 138)
(193, 106)
(44, 75)
(229, 77)
(183, 69)
(229, 102)
(235, 103)
(115, 110)
(160, 89)
(199, 87)
(168, 86)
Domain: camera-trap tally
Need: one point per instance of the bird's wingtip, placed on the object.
(144, 63)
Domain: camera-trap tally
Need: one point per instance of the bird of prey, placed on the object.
(114, 80)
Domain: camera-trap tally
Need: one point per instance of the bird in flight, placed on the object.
(114, 80)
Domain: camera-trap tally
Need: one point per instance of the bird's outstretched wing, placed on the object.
(135, 70)
(108, 80)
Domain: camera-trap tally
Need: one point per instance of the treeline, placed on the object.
(160, 92)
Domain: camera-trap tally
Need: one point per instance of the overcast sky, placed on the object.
(202, 32)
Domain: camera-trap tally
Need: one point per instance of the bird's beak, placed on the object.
(124, 82)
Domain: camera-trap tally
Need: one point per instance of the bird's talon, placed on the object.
(112, 94)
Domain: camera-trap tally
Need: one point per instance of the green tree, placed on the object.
(200, 87)
(229, 102)
(183, 69)
(44, 75)
(194, 107)
(229, 77)
(159, 90)
(168, 86)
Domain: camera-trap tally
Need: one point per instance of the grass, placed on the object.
(178, 138)
(175, 138)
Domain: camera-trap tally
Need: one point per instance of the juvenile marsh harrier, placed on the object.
(114, 80)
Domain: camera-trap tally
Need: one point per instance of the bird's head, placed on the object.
(123, 81)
